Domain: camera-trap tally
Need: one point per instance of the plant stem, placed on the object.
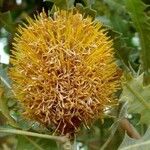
(129, 128)
(20, 132)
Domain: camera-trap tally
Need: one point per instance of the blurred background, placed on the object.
(111, 12)
(12, 12)
(115, 16)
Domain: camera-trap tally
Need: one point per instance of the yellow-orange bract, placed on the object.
(63, 70)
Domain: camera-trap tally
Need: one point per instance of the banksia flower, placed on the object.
(63, 70)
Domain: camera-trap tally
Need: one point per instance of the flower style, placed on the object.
(63, 70)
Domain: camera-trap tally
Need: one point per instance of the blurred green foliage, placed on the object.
(128, 23)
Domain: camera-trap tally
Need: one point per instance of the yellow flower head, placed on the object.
(63, 70)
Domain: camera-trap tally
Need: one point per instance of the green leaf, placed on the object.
(86, 10)
(132, 144)
(6, 21)
(145, 116)
(88, 3)
(67, 4)
(142, 24)
(5, 111)
(115, 125)
(36, 140)
(138, 98)
(3, 100)
(122, 51)
(114, 5)
(26, 143)
(4, 78)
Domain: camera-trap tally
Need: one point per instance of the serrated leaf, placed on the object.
(132, 144)
(114, 5)
(26, 143)
(86, 10)
(63, 4)
(145, 116)
(142, 24)
(5, 110)
(115, 125)
(4, 78)
(22, 123)
(3, 100)
(122, 51)
(88, 3)
(138, 98)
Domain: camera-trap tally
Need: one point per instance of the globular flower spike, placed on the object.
(63, 70)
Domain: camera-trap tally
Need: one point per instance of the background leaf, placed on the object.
(63, 4)
(125, 30)
(3, 99)
(5, 111)
(141, 22)
(26, 143)
(6, 21)
(131, 144)
(4, 78)
(138, 98)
